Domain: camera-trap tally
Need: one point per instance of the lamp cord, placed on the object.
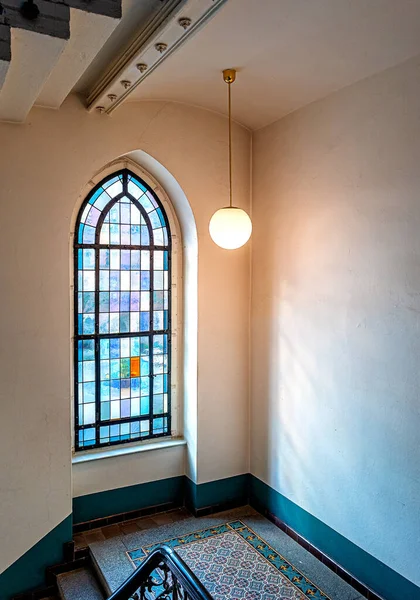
(230, 144)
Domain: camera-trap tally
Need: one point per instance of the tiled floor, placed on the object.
(109, 546)
(82, 540)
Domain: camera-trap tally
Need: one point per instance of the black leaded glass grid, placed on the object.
(122, 307)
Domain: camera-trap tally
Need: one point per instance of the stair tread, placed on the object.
(111, 563)
(79, 585)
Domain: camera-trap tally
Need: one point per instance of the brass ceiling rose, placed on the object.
(229, 75)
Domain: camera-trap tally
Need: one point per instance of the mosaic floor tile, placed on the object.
(233, 562)
(113, 562)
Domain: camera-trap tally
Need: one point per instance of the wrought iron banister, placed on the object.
(162, 576)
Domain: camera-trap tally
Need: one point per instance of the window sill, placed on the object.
(113, 452)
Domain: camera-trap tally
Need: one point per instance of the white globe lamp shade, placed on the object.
(230, 228)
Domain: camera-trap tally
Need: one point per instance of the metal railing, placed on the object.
(162, 576)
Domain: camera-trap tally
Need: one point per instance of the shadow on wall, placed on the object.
(334, 335)
(308, 375)
(190, 299)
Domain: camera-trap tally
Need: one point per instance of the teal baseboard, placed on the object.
(128, 499)
(175, 490)
(231, 490)
(28, 572)
(363, 566)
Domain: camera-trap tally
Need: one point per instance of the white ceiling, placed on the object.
(288, 53)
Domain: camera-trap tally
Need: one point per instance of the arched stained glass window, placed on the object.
(122, 265)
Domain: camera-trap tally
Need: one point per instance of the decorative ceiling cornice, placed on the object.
(175, 23)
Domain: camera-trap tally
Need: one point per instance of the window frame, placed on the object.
(126, 169)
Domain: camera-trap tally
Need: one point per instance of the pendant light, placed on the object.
(230, 227)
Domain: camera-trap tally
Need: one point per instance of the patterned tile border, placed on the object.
(290, 572)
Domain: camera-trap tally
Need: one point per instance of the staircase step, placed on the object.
(79, 585)
(111, 563)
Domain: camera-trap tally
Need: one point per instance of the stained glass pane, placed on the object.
(124, 291)
(122, 298)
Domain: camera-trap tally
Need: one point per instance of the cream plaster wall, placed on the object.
(336, 313)
(122, 471)
(44, 166)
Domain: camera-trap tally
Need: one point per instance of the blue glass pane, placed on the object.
(146, 204)
(88, 259)
(102, 201)
(144, 366)
(145, 237)
(88, 234)
(110, 181)
(88, 392)
(105, 391)
(96, 195)
(135, 188)
(115, 348)
(154, 219)
(88, 324)
(161, 217)
(152, 199)
(144, 321)
(145, 405)
(145, 280)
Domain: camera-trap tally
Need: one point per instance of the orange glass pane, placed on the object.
(135, 367)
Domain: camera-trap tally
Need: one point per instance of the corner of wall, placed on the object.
(28, 572)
